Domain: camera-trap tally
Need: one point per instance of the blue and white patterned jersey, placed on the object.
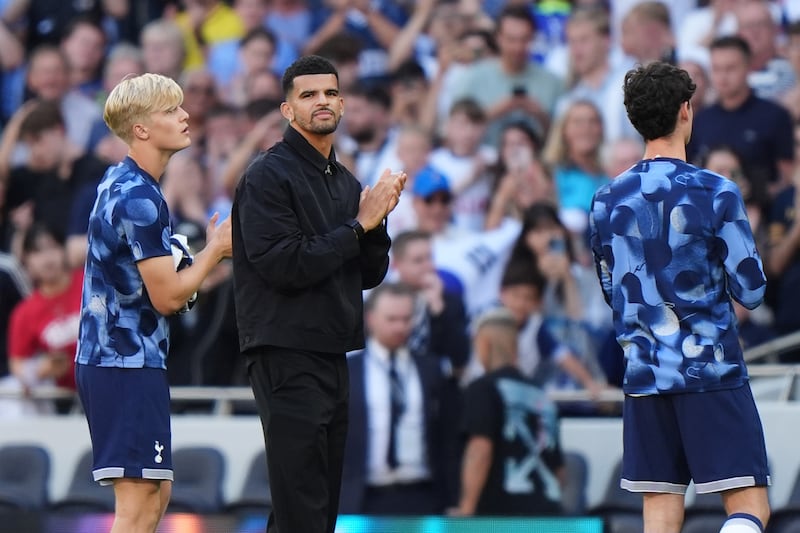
(672, 245)
(129, 222)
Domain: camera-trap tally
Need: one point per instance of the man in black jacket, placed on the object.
(306, 242)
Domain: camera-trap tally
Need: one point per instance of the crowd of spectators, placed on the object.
(506, 116)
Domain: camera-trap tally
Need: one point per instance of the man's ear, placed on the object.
(141, 132)
(685, 108)
(287, 112)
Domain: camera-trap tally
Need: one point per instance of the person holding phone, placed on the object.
(572, 306)
(520, 179)
(511, 87)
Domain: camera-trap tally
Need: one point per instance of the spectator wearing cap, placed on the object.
(471, 262)
(432, 201)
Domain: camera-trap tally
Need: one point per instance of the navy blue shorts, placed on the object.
(713, 438)
(128, 414)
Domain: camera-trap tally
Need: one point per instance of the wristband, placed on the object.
(357, 228)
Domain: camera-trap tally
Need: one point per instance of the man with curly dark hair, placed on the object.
(673, 248)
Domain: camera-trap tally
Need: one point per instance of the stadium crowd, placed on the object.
(506, 116)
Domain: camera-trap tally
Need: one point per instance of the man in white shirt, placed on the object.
(394, 456)
(470, 262)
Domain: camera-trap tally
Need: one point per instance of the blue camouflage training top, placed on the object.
(119, 326)
(672, 245)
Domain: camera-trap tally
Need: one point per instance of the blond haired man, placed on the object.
(136, 275)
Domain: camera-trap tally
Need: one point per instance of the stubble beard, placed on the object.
(324, 128)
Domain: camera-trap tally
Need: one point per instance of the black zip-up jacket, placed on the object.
(298, 269)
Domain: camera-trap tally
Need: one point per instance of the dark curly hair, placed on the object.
(653, 96)
(305, 66)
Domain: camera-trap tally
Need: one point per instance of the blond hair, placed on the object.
(134, 99)
(556, 151)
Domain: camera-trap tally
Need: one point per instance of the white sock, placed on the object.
(742, 523)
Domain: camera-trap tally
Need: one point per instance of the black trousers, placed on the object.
(302, 400)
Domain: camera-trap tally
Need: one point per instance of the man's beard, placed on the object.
(324, 129)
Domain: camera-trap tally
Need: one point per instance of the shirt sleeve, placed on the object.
(144, 218)
(481, 415)
(374, 257)
(22, 342)
(600, 261)
(743, 269)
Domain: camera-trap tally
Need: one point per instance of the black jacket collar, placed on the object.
(299, 143)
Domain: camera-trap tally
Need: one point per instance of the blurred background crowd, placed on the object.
(505, 115)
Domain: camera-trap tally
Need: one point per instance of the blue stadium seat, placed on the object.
(256, 497)
(197, 488)
(785, 522)
(620, 509)
(786, 519)
(705, 513)
(704, 522)
(85, 495)
(24, 473)
(573, 496)
(617, 499)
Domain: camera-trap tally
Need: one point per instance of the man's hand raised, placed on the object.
(380, 200)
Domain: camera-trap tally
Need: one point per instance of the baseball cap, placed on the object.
(428, 182)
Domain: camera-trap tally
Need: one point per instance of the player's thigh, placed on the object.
(662, 512)
(653, 457)
(165, 493)
(723, 439)
(136, 496)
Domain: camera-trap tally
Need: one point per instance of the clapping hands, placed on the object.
(378, 201)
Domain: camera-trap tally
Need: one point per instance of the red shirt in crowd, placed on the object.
(48, 324)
